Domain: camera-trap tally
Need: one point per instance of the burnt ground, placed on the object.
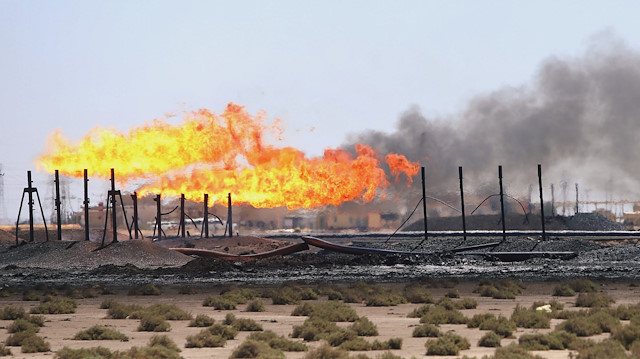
(134, 262)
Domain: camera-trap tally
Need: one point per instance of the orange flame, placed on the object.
(224, 154)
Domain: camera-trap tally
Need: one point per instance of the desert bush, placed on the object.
(332, 293)
(325, 351)
(163, 341)
(540, 342)
(440, 315)
(332, 311)
(594, 323)
(98, 332)
(593, 300)
(285, 295)
(108, 303)
(607, 348)
(256, 349)
(30, 295)
(452, 293)
(276, 341)
(153, 323)
(504, 289)
(563, 290)
(16, 339)
(55, 305)
(385, 297)
(583, 285)
(166, 311)
(426, 330)
(239, 295)
(82, 353)
(364, 327)
(447, 344)
(246, 325)
(627, 334)
(145, 289)
(467, 303)
(205, 339)
(149, 352)
(22, 325)
(121, 311)
(490, 340)
(219, 302)
(419, 311)
(314, 329)
(477, 319)
(416, 293)
(500, 325)
(202, 320)
(339, 336)
(626, 311)
(34, 344)
(530, 318)
(4, 351)
(356, 343)
(392, 343)
(513, 351)
(224, 331)
(12, 312)
(256, 305)
(5, 292)
(229, 318)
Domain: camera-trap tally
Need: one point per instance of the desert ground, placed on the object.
(391, 321)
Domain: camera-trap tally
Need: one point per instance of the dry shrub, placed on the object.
(276, 341)
(55, 305)
(593, 300)
(332, 311)
(490, 340)
(530, 318)
(447, 344)
(153, 323)
(255, 305)
(364, 327)
(426, 330)
(202, 320)
(219, 302)
(145, 289)
(256, 349)
(205, 339)
(416, 293)
(98, 332)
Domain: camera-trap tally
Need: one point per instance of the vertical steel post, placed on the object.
(464, 223)
(230, 218)
(424, 203)
(544, 233)
(58, 215)
(504, 227)
(114, 218)
(30, 190)
(205, 221)
(182, 215)
(134, 198)
(86, 205)
(158, 216)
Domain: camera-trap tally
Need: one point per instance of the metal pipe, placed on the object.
(504, 227)
(230, 218)
(114, 220)
(544, 232)
(30, 191)
(424, 203)
(464, 223)
(577, 201)
(86, 205)
(134, 198)
(205, 223)
(182, 215)
(57, 201)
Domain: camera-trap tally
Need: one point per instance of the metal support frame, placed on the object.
(30, 190)
(136, 229)
(86, 205)
(424, 203)
(205, 221)
(544, 232)
(464, 222)
(230, 217)
(504, 226)
(57, 202)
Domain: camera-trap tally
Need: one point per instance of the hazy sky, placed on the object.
(326, 68)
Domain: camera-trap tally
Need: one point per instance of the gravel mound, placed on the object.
(86, 254)
(593, 222)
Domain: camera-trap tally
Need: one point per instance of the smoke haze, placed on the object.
(579, 118)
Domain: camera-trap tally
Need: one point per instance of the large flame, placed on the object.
(224, 154)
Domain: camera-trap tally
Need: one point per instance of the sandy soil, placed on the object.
(391, 321)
